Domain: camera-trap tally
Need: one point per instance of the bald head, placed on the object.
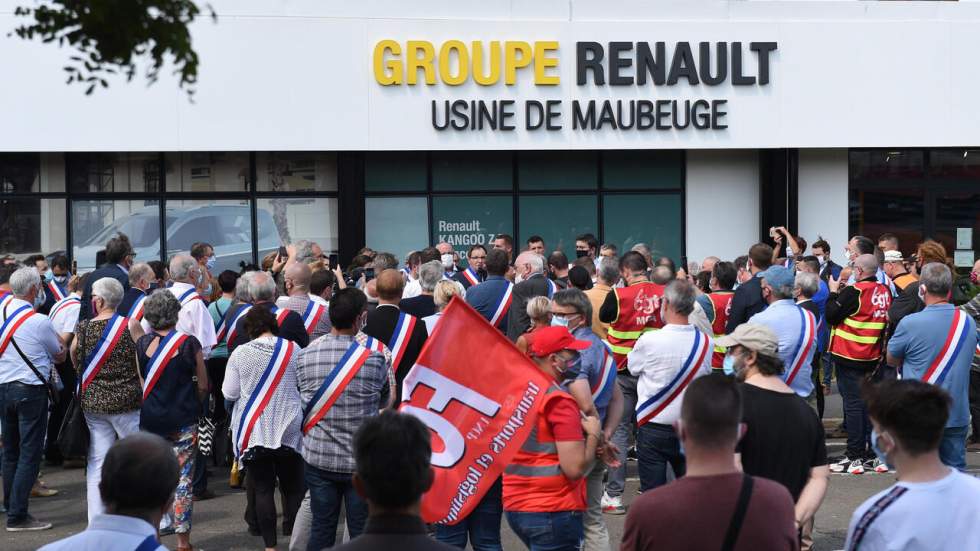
(390, 284)
(139, 475)
(868, 265)
(297, 280)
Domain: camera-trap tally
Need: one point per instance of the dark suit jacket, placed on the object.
(128, 299)
(746, 303)
(519, 322)
(381, 325)
(403, 533)
(420, 306)
(831, 268)
(292, 328)
(109, 270)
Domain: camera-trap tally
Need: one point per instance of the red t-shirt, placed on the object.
(564, 419)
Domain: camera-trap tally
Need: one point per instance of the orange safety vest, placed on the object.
(639, 312)
(721, 303)
(533, 481)
(904, 280)
(859, 336)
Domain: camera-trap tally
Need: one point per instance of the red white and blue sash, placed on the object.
(232, 328)
(552, 288)
(136, 310)
(10, 324)
(280, 314)
(808, 335)
(659, 401)
(471, 276)
(502, 305)
(312, 315)
(56, 290)
(113, 331)
(399, 339)
(607, 379)
(63, 304)
(263, 392)
(950, 351)
(335, 383)
(188, 297)
(166, 351)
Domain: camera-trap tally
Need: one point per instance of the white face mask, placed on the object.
(40, 299)
(847, 258)
(447, 261)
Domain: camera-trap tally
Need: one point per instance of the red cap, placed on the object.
(549, 340)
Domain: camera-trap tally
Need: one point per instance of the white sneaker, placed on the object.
(879, 467)
(612, 505)
(840, 465)
(856, 467)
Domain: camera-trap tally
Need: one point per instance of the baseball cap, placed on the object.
(893, 256)
(549, 340)
(779, 277)
(753, 336)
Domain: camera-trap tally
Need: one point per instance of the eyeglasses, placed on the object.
(478, 257)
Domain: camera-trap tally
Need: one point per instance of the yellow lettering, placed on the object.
(387, 72)
(424, 61)
(517, 54)
(542, 62)
(463, 58)
(478, 75)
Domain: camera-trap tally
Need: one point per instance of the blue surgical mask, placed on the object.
(210, 263)
(559, 321)
(874, 446)
(49, 275)
(728, 366)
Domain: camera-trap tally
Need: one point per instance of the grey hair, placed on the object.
(304, 251)
(140, 272)
(868, 264)
(24, 280)
(110, 290)
(538, 308)
(241, 287)
(429, 274)
(577, 300)
(808, 284)
(937, 279)
(680, 295)
(536, 262)
(161, 309)
(608, 270)
(642, 249)
(261, 287)
(180, 267)
(384, 261)
(445, 290)
(662, 275)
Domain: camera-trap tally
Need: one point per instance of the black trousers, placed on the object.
(975, 403)
(58, 412)
(263, 470)
(817, 382)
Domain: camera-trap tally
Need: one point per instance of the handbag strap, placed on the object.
(738, 517)
(29, 363)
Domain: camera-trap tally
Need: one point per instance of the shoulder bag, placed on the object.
(73, 435)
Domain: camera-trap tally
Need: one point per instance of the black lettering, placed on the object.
(738, 79)
(682, 65)
(663, 115)
(721, 63)
(488, 113)
(583, 120)
(677, 123)
(533, 108)
(644, 115)
(585, 63)
(507, 112)
(623, 125)
(606, 116)
(617, 62)
(460, 119)
(435, 121)
(649, 64)
(764, 49)
(553, 110)
(702, 120)
(717, 114)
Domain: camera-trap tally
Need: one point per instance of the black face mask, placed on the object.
(580, 254)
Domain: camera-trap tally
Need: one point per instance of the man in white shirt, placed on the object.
(932, 507)
(666, 361)
(194, 318)
(29, 348)
(139, 476)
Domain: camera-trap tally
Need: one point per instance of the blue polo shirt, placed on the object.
(784, 318)
(920, 337)
(485, 297)
(591, 367)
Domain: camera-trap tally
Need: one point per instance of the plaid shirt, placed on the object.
(329, 444)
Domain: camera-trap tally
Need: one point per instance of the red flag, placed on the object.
(479, 396)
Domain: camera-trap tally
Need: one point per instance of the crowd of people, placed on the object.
(292, 370)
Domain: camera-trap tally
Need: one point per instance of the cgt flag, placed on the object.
(479, 396)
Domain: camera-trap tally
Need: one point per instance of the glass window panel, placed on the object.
(957, 209)
(32, 172)
(208, 171)
(226, 225)
(472, 171)
(651, 219)
(558, 219)
(899, 211)
(955, 164)
(286, 220)
(642, 169)
(557, 170)
(296, 171)
(397, 224)
(887, 169)
(32, 226)
(471, 220)
(93, 223)
(394, 171)
(113, 172)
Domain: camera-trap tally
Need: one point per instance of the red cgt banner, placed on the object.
(479, 396)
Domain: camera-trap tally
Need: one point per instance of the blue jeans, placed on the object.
(952, 448)
(481, 526)
(327, 490)
(24, 421)
(616, 479)
(561, 531)
(657, 445)
(856, 420)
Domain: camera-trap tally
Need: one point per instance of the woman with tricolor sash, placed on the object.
(266, 422)
(104, 357)
(174, 384)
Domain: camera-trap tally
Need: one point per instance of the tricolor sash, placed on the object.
(263, 392)
(937, 372)
(280, 314)
(103, 348)
(221, 329)
(808, 335)
(136, 310)
(552, 288)
(11, 324)
(232, 328)
(312, 315)
(502, 305)
(165, 352)
(471, 276)
(56, 290)
(399, 339)
(67, 302)
(659, 401)
(608, 377)
(335, 383)
(188, 297)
